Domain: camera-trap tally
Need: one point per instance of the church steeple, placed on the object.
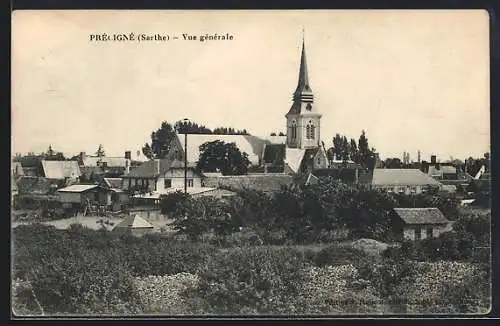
(303, 91)
(303, 121)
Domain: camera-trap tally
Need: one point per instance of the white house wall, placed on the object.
(177, 177)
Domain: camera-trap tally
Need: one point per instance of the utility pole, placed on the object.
(185, 155)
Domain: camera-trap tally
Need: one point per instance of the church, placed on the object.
(300, 151)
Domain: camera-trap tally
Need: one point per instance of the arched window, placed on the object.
(294, 130)
(310, 130)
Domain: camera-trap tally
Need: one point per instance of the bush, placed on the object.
(262, 280)
(170, 203)
(338, 255)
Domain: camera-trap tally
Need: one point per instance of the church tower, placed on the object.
(303, 120)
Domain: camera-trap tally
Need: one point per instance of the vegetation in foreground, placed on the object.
(259, 255)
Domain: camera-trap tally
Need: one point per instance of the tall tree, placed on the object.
(218, 156)
(367, 156)
(161, 141)
(345, 150)
(337, 147)
(353, 150)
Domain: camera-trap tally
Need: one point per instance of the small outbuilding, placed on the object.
(419, 223)
(135, 224)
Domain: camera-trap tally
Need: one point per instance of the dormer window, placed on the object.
(308, 107)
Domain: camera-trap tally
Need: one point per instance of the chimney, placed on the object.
(433, 159)
(128, 155)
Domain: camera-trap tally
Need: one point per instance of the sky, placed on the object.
(413, 80)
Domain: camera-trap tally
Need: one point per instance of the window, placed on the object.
(428, 232)
(310, 130)
(190, 182)
(168, 183)
(418, 232)
(294, 130)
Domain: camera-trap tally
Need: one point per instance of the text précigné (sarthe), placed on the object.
(158, 37)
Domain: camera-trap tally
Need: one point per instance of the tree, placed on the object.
(190, 127)
(367, 156)
(345, 149)
(224, 157)
(353, 150)
(161, 141)
(273, 134)
(393, 163)
(100, 151)
(281, 134)
(52, 155)
(337, 147)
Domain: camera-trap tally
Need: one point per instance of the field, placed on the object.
(91, 222)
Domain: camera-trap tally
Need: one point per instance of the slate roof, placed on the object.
(252, 145)
(134, 222)
(421, 215)
(150, 169)
(402, 177)
(61, 169)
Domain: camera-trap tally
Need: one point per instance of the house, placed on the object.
(95, 168)
(299, 151)
(419, 223)
(443, 172)
(86, 198)
(117, 198)
(134, 224)
(161, 176)
(61, 170)
(403, 181)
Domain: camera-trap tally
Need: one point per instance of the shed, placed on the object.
(79, 194)
(420, 223)
(135, 224)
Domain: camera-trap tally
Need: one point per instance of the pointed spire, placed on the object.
(303, 87)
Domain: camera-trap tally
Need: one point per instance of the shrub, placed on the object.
(261, 280)
(338, 255)
(170, 203)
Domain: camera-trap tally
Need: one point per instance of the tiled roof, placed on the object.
(61, 169)
(402, 177)
(421, 215)
(78, 188)
(252, 145)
